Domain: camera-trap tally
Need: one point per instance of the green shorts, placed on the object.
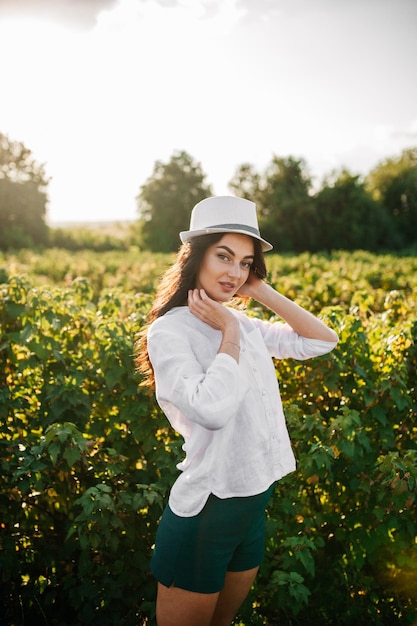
(194, 553)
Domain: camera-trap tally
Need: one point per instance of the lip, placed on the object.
(228, 287)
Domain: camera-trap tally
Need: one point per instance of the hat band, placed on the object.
(250, 229)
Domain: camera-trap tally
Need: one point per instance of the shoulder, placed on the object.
(175, 316)
(178, 321)
(247, 322)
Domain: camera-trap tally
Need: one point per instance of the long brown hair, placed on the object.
(175, 285)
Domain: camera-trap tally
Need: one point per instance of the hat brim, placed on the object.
(186, 235)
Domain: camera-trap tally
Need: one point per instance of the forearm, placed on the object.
(230, 343)
(301, 321)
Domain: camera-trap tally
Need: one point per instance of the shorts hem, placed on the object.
(187, 587)
(245, 568)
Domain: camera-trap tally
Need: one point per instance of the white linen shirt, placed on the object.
(229, 414)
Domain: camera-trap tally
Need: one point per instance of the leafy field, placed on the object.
(87, 458)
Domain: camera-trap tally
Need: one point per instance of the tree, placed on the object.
(394, 183)
(246, 182)
(348, 217)
(166, 199)
(285, 208)
(23, 196)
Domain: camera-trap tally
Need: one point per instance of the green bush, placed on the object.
(87, 458)
(84, 238)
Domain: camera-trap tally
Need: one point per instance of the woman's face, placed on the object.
(225, 266)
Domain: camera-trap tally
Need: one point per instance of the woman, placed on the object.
(216, 383)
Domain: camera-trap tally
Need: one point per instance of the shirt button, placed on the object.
(263, 392)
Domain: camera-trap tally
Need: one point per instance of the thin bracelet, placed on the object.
(232, 342)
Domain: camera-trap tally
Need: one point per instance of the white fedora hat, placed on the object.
(224, 214)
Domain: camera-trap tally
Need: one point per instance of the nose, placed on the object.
(234, 270)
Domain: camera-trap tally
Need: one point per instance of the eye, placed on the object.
(246, 265)
(222, 257)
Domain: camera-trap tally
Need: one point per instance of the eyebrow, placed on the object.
(230, 251)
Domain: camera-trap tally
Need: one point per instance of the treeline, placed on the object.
(377, 212)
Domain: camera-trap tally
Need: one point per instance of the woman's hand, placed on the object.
(218, 317)
(209, 311)
(251, 287)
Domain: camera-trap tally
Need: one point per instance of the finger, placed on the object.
(196, 295)
(195, 303)
(191, 301)
(193, 295)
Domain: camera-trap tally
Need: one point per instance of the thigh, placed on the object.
(236, 587)
(179, 607)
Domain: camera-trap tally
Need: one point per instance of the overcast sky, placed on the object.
(101, 89)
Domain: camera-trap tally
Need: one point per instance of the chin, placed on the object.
(227, 298)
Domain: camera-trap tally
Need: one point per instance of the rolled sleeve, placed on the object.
(283, 342)
(208, 397)
(211, 399)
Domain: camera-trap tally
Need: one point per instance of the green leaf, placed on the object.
(54, 450)
(72, 455)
